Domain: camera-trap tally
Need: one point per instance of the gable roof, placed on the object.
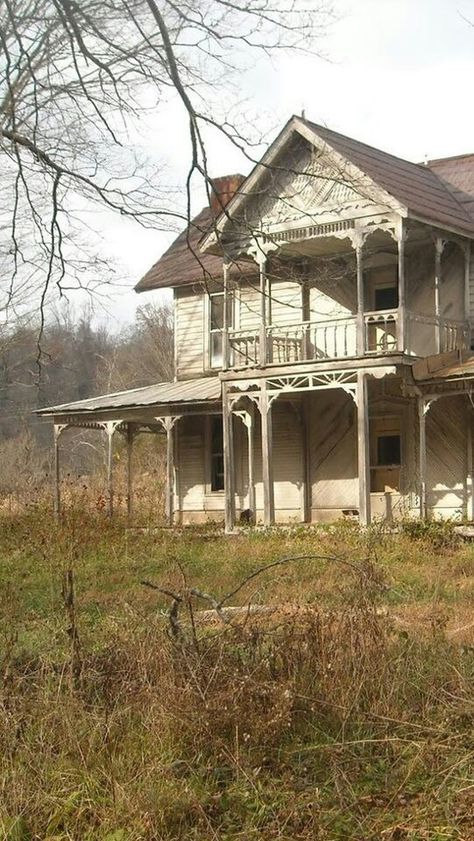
(412, 188)
(440, 192)
(416, 186)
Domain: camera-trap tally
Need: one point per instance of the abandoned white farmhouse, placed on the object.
(323, 312)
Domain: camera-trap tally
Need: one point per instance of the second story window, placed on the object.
(216, 326)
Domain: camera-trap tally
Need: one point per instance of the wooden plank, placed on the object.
(467, 283)
(422, 455)
(168, 423)
(109, 429)
(469, 465)
(225, 328)
(170, 470)
(251, 459)
(58, 428)
(360, 301)
(401, 290)
(130, 439)
(306, 453)
(437, 293)
(263, 354)
(363, 449)
(229, 474)
(267, 458)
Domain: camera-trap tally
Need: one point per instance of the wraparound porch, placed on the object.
(309, 447)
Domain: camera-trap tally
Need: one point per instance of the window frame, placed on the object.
(209, 456)
(381, 426)
(211, 364)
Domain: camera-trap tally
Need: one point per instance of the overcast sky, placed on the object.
(399, 76)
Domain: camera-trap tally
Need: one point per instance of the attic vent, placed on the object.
(311, 231)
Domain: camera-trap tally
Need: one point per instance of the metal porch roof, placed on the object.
(205, 389)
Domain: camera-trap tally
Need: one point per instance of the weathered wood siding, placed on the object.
(286, 304)
(332, 453)
(190, 332)
(446, 451)
(198, 504)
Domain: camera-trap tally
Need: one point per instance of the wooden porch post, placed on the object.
(363, 450)
(306, 425)
(360, 299)
(225, 330)
(57, 430)
(262, 264)
(130, 439)
(305, 311)
(267, 458)
(168, 423)
(251, 459)
(229, 477)
(439, 246)
(401, 288)
(469, 465)
(467, 287)
(110, 427)
(422, 408)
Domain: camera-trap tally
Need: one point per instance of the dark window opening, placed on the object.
(386, 297)
(388, 450)
(217, 455)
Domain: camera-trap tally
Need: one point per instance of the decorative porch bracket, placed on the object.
(109, 428)
(168, 423)
(259, 251)
(247, 418)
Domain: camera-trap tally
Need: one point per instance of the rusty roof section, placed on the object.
(183, 264)
(416, 186)
(205, 389)
(443, 366)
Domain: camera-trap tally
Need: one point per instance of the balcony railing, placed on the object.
(336, 338)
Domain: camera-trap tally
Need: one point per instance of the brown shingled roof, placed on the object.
(179, 266)
(415, 186)
(183, 264)
(441, 192)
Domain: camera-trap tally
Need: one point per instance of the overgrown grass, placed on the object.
(346, 714)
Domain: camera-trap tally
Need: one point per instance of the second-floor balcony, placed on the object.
(341, 337)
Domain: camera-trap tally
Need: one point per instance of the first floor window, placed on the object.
(385, 454)
(217, 454)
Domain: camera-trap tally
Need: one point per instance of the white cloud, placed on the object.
(399, 77)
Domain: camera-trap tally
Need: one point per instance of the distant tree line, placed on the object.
(79, 360)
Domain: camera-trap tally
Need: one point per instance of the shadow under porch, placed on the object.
(323, 447)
